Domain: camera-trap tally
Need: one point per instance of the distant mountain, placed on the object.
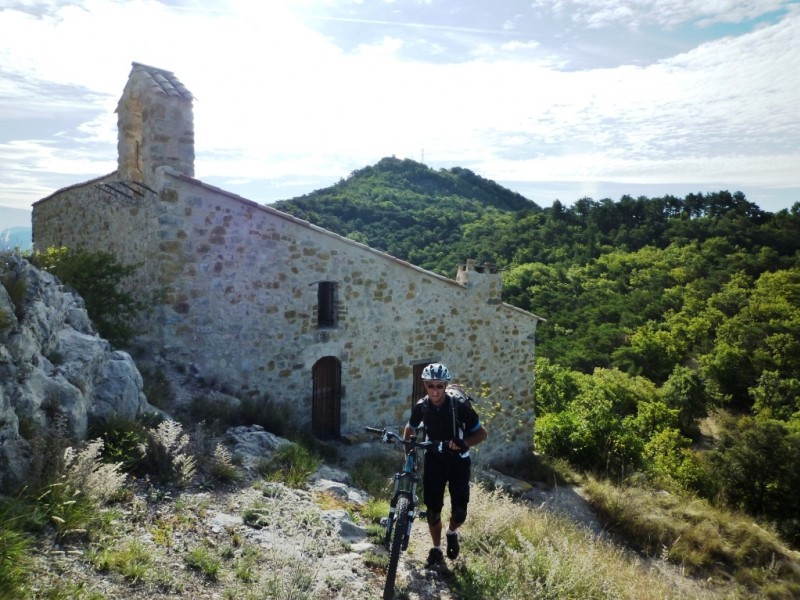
(15, 229)
(411, 211)
(16, 237)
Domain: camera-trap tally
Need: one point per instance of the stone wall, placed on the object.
(104, 215)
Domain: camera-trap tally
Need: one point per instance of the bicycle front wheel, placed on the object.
(396, 545)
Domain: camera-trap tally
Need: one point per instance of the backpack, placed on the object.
(454, 394)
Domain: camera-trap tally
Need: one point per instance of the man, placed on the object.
(447, 416)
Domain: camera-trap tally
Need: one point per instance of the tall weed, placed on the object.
(14, 547)
(71, 502)
(166, 454)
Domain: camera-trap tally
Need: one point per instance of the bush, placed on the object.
(124, 441)
(754, 468)
(374, 474)
(133, 560)
(291, 464)
(273, 416)
(222, 468)
(224, 412)
(98, 278)
(203, 560)
(688, 531)
(670, 462)
(81, 484)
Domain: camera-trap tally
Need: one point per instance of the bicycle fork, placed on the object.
(411, 494)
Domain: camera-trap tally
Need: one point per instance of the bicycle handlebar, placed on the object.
(388, 437)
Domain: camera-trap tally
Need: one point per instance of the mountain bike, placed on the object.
(403, 504)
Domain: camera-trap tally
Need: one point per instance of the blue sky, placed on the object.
(553, 99)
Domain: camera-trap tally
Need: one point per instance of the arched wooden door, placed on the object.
(326, 402)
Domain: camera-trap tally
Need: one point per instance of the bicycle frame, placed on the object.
(405, 484)
(403, 504)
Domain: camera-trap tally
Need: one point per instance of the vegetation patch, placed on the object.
(703, 540)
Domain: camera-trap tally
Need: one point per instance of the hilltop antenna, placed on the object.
(422, 160)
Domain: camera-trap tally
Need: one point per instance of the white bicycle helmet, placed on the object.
(435, 372)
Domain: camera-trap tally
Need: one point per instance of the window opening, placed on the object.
(326, 304)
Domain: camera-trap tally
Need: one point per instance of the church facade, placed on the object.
(270, 305)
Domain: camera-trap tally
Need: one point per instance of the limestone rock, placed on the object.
(54, 369)
(252, 443)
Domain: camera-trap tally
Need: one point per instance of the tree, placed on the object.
(669, 460)
(685, 392)
(756, 467)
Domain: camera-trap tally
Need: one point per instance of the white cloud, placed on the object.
(666, 13)
(277, 100)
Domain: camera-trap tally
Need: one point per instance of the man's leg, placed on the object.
(459, 500)
(434, 480)
(436, 533)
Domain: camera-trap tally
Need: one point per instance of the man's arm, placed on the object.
(476, 437)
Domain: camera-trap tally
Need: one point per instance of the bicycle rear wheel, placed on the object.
(396, 545)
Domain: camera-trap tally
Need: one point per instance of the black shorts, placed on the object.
(450, 471)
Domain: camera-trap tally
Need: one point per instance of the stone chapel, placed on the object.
(271, 305)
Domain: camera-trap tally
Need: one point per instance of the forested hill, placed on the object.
(437, 219)
(616, 280)
(411, 211)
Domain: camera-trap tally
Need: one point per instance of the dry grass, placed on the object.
(513, 551)
(283, 547)
(702, 540)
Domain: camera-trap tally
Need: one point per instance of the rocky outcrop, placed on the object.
(54, 369)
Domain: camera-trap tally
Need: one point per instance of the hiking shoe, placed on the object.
(435, 558)
(452, 545)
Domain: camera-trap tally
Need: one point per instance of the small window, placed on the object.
(326, 304)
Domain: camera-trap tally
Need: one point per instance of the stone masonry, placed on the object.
(240, 282)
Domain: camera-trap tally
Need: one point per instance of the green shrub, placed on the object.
(275, 417)
(247, 565)
(5, 320)
(258, 514)
(291, 464)
(124, 441)
(221, 413)
(374, 474)
(83, 483)
(98, 278)
(216, 413)
(132, 560)
(688, 531)
(222, 468)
